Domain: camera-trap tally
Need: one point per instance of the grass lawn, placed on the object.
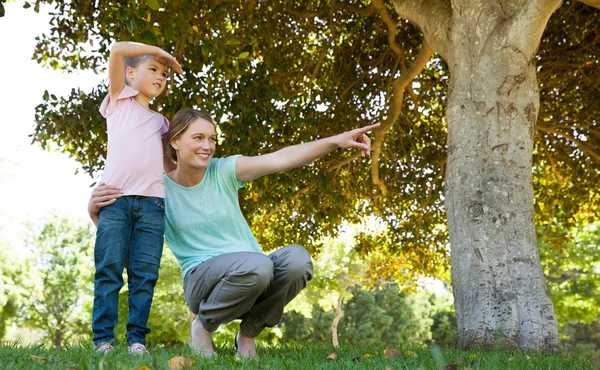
(290, 357)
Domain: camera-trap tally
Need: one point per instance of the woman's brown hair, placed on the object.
(180, 122)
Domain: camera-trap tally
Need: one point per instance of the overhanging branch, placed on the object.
(433, 17)
(391, 29)
(593, 3)
(395, 108)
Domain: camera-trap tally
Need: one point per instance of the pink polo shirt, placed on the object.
(135, 152)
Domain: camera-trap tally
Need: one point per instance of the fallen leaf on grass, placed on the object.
(180, 362)
(332, 356)
(411, 353)
(143, 367)
(71, 368)
(366, 355)
(390, 353)
(43, 360)
(450, 367)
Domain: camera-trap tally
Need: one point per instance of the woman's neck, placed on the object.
(187, 177)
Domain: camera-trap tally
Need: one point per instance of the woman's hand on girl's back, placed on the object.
(103, 195)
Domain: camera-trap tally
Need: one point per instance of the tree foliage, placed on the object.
(573, 275)
(276, 73)
(62, 301)
(15, 285)
(372, 317)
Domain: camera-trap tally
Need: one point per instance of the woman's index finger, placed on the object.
(369, 128)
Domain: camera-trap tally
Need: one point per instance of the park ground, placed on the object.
(13, 356)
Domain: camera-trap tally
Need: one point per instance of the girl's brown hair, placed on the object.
(134, 62)
(180, 122)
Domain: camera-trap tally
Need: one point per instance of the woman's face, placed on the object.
(196, 145)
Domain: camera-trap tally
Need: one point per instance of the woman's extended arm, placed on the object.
(250, 168)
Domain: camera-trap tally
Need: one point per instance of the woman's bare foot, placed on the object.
(201, 339)
(245, 346)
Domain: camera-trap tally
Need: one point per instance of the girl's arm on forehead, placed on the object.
(116, 63)
(123, 50)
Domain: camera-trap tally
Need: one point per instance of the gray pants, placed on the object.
(247, 285)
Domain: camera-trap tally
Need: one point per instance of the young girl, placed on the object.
(131, 228)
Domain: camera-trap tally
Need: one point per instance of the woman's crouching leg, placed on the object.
(225, 287)
(292, 269)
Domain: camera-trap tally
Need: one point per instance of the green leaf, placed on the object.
(169, 33)
(243, 55)
(233, 42)
(153, 4)
(131, 24)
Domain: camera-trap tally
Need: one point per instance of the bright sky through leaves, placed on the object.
(32, 182)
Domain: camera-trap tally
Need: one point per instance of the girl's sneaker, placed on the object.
(137, 349)
(105, 347)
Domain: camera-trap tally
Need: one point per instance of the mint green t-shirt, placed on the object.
(205, 220)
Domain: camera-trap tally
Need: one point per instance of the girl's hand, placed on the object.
(169, 60)
(356, 139)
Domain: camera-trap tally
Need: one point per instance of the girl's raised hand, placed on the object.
(169, 60)
(356, 139)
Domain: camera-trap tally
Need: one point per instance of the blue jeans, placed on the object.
(131, 229)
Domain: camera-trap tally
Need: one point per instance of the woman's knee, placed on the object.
(298, 262)
(256, 272)
(264, 272)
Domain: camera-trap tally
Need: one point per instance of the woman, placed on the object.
(225, 274)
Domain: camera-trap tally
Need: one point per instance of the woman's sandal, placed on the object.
(237, 353)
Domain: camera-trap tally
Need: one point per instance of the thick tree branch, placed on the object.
(433, 17)
(395, 108)
(594, 3)
(528, 27)
(391, 29)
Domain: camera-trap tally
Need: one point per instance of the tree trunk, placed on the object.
(500, 291)
(336, 320)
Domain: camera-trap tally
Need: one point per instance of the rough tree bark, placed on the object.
(490, 45)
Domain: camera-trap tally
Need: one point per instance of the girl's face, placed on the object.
(149, 78)
(196, 145)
